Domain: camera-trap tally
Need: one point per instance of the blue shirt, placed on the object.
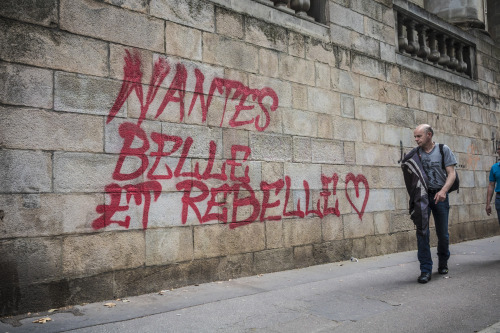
(495, 176)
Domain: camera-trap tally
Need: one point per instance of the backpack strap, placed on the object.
(442, 155)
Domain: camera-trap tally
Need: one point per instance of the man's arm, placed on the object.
(450, 178)
(489, 195)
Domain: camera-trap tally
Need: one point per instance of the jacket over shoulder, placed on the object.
(416, 184)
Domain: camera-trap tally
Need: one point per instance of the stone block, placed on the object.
(368, 66)
(365, 44)
(33, 260)
(40, 12)
(232, 137)
(235, 266)
(222, 51)
(85, 94)
(282, 89)
(167, 211)
(333, 251)
(296, 44)
(379, 31)
(390, 135)
(401, 221)
(229, 23)
(299, 97)
(38, 129)
(125, 27)
(218, 239)
(303, 256)
(370, 110)
(332, 228)
(392, 93)
(369, 154)
(86, 172)
(48, 214)
(412, 79)
(345, 81)
(267, 35)
(320, 51)
(354, 227)
(347, 106)
(325, 126)
(347, 129)
(341, 36)
(201, 136)
(371, 9)
(387, 52)
(297, 70)
(327, 151)
(401, 116)
(369, 88)
(322, 76)
(381, 244)
(298, 122)
(52, 49)
(183, 41)
(381, 222)
(298, 232)
(197, 14)
(371, 132)
(466, 178)
(350, 152)
(432, 103)
(345, 17)
(298, 172)
(393, 73)
(137, 6)
(22, 85)
(271, 171)
(113, 141)
(168, 245)
(268, 63)
(301, 149)
(25, 171)
(445, 89)
(92, 254)
(380, 200)
(413, 99)
(271, 147)
(274, 260)
(274, 234)
(323, 101)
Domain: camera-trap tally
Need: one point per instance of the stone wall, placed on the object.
(148, 145)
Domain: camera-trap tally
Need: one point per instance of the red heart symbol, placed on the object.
(356, 180)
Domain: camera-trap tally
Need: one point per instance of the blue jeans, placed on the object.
(497, 205)
(440, 211)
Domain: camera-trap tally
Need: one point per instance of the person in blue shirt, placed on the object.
(494, 185)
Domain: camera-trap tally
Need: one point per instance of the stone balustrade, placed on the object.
(434, 44)
(300, 7)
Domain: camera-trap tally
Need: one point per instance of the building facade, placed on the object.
(148, 145)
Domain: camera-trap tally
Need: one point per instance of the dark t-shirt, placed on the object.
(432, 165)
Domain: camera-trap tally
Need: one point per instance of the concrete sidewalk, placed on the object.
(379, 294)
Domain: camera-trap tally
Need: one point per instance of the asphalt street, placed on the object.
(378, 294)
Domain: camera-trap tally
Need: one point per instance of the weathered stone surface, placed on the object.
(327, 151)
(296, 44)
(34, 129)
(370, 154)
(325, 126)
(34, 260)
(268, 63)
(52, 49)
(365, 44)
(301, 231)
(126, 27)
(381, 244)
(168, 245)
(332, 227)
(24, 171)
(247, 238)
(298, 122)
(43, 12)
(346, 17)
(92, 254)
(320, 51)
(197, 14)
(22, 85)
(369, 88)
(368, 66)
(299, 172)
(370, 110)
(183, 41)
(297, 70)
(277, 148)
(232, 53)
(392, 93)
(347, 106)
(322, 75)
(85, 94)
(347, 129)
(323, 101)
(354, 227)
(266, 35)
(229, 23)
(274, 260)
(345, 81)
(332, 251)
(234, 266)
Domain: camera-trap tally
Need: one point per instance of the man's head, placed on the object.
(423, 135)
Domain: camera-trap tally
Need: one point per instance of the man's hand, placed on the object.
(488, 209)
(440, 197)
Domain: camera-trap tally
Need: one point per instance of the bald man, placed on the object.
(439, 182)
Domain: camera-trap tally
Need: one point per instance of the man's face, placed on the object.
(421, 137)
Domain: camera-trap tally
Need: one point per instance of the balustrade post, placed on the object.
(453, 63)
(462, 65)
(402, 40)
(444, 59)
(434, 55)
(300, 6)
(424, 50)
(413, 46)
(280, 3)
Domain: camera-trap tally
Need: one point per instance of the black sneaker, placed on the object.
(443, 269)
(424, 278)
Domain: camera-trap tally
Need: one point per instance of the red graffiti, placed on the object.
(356, 180)
(234, 192)
(176, 94)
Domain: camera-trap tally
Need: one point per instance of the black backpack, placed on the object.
(456, 183)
